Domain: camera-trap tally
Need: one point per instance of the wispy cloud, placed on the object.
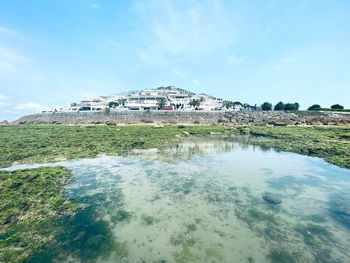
(3, 100)
(29, 106)
(196, 82)
(94, 5)
(190, 27)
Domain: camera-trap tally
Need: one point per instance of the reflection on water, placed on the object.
(201, 201)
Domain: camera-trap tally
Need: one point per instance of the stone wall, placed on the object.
(277, 118)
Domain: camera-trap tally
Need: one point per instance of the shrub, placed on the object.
(266, 106)
(337, 107)
(279, 106)
(314, 107)
(291, 106)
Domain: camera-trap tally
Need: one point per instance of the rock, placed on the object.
(181, 126)
(4, 122)
(272, 199)
(110, 123)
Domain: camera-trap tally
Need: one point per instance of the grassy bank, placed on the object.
(23, 144)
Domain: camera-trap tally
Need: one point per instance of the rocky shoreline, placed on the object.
(273, 118)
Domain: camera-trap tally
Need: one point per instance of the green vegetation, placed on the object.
(161, 103)
(266, 106)
(214, 254)
(335, 107)
(121, 216)
(185, 255)
(148, 220)
(32, 200)
(24, 144)
(315, 107)
(288, 106)
(330, 143)
(191, 227)
(313, 234)
(278, 256)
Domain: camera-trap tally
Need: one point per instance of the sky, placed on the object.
(55, 52)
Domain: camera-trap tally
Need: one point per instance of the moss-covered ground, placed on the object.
(331, 143)
(23, 144)
(32, 200)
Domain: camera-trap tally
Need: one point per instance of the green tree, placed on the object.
(314, 107)
(279, 106)
(337, 107)
(291, 106)
(113, 104)
(73, 104)
(194, 103)
(161, 103)
(236, 103)
(266, 106)
(227, 104)
(122, 101)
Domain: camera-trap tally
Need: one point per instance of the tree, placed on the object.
(122, 101)
(227, 104)
(73, 104)
(194, 103)
(113, 104)
(314, 107)
(237, 103)
(279, 106)
(337, 107)
(161, 103)
(291, 106)
(246, 105)
(266, 106)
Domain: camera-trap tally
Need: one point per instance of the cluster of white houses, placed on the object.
(162, 98)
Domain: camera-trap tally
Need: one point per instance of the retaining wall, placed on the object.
(278, 118)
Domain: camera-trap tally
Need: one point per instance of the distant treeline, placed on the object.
(335, 107)
(266, 106)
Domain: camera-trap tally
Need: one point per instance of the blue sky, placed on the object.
(56, 52)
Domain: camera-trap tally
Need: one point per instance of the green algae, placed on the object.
(314, 234)
(121, 216)
(214, 254)
(191, 227)
(185, 255)
(32, 201)
(50, 143)
(280, 255)
(148, 220)
(330, 143)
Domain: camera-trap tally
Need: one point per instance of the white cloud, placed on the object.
(29, 106)
(95, 6)
(196, 82)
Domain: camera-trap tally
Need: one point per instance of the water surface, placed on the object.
(201, 201)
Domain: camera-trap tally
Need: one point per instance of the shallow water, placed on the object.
(201, 201)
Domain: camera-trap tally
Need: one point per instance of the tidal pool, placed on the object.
(201, 201)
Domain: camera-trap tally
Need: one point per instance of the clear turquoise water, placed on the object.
(201, 201)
